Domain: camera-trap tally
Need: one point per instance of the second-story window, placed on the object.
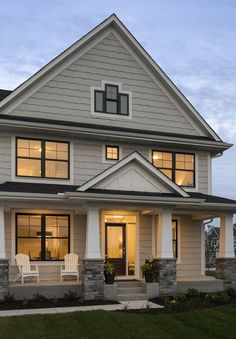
(111, 101)
(42, 158)
(112, 152)
(179, 167)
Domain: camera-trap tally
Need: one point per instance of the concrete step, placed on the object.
(139, 296)
(129, 284)
(130, 290)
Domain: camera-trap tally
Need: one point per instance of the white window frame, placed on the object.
(109, 115)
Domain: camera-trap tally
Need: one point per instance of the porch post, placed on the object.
(92, 272)
(226, 261)
(3, 261)
(165, 263)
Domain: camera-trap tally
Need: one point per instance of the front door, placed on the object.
(116, 246)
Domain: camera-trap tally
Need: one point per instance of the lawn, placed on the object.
(219, 322)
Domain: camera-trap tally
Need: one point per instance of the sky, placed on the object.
(194, 42)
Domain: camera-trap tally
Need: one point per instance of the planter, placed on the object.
(149, 277)
(109, 279)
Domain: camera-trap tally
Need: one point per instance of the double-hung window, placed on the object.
(111, 101)
(42, 158)
(179, 167)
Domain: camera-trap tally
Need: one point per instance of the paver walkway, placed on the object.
(124, 305)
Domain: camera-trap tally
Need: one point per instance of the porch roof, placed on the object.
(68, 191)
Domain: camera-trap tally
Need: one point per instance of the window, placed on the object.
(42, 158)
(179, 167)
(175, 238)
(43, 237)
(111, 101)
(112, 153)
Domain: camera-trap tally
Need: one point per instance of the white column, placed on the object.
(2, 234)
(93, 250)
(164, 235)
(226, 237)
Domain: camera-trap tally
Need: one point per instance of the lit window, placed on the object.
(111, 101)
(179, 167)
(175, 238)
(43, 237)
(42, 158)
(112, 153)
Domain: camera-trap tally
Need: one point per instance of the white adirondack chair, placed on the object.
(71, 266)
(23, 263)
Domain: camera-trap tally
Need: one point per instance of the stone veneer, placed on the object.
(4, 267)
(226, 270)
(166, 275)
(93, 279)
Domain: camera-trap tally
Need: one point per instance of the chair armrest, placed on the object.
(36, 266)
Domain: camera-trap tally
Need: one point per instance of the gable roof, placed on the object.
(119, 26)
(158, 177)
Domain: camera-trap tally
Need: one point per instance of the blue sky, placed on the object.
(193, 41)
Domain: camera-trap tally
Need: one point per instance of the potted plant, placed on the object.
(148, 271)
(109, 272)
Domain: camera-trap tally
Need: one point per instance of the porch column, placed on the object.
(92, 272)
(165, 263)
(3, 261)
(226, 261)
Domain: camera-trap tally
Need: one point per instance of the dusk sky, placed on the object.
(194, 41)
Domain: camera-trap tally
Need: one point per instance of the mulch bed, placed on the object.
(51, 303)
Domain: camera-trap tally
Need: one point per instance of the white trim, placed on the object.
(142, 161)
(2, 233)
(209, 174)
(39, 211)
(203, 259)
(107, 161)
(154, 231)
(41, 180)
(178, 262)
(109, 115)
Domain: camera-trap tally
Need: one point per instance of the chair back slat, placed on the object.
(71, 261)
(22, 261)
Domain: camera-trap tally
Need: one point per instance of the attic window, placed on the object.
(111, 101)
(112, 152)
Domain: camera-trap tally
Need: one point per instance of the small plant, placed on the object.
(148, 270)
(55, 301)
(192, 293)
(180, 298)
(8, 298)
(24, 302)
(231, 292)
(81, 300)
(109, 272)
(39, 298)
(217, 297)
(70, 296)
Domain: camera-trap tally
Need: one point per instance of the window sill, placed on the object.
(43, 180)
(112, 116)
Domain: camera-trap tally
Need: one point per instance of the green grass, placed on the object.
(209, 323)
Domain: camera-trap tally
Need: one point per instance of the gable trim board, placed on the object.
(159, 177)
(100, 32)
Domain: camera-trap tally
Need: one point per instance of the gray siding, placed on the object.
(5, 157)
(145, 238)
(68, 95)
(190, 247)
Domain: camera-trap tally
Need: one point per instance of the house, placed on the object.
(103, 156)
(212, 244)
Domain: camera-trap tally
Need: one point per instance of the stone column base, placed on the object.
(4, 283)
(226, 270)
(166, 275)
(93, 279)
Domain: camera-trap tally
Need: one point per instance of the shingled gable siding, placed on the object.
(68, 95)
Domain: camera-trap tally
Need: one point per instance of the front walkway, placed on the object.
(124, 305)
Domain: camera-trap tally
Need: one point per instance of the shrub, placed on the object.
(24, 302)
(218, 297)
(55, 301)
(8, 298)
(81, 300)
(70, 296)
(39, 298)
(192, 293)
(180, 298)
(231, 292)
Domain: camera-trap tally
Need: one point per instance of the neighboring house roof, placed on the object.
(214, 232)
(4, 93)
(112, 21)
(23, 187)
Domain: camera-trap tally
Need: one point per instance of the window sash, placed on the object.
(43, 159)
(107, 151)
(43, 235)
(174, 169)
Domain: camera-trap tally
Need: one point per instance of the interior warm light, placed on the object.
(156, 157)
(118, 216)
